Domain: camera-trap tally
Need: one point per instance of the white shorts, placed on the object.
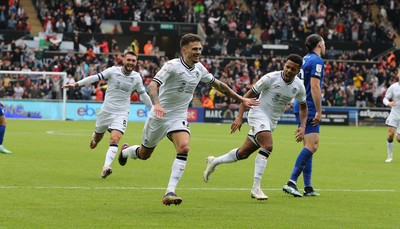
(107, 121)
(393, 121)
(258, 122)
(156, 129)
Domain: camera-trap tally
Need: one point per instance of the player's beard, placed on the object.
(195, 59)
(127, 70)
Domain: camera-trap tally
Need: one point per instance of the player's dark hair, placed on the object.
(130, 53)
(312, 41)
(295, 58)
(187, 38)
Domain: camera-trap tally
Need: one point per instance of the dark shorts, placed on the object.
(310, 128)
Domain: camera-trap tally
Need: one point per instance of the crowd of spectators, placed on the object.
(13, 16)
(279, 20)
(346, 83)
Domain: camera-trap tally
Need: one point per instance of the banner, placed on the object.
(222, 115)
(26, 109)
(335, 118)
(373, 116)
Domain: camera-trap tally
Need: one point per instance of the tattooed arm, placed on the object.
(153, 93)
(226, 90)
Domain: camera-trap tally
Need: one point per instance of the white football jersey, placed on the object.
(177, 84)
(274, 93)
(393, 93)
(119, 89)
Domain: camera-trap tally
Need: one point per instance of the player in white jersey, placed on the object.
(392, 99)
(171, 91)
(113, 115)
(275, 90)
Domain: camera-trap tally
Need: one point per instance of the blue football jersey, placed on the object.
(313, 66)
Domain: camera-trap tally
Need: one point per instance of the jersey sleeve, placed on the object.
(139, 87)
(163, 74)
(206, 76)
(317, 69)
(94, 78)
(389, 93)
(301, 96)
(262, 84)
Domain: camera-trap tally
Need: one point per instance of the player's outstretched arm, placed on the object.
(71, 85)
(226, 90)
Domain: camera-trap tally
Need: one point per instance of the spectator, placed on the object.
(148, 48)
(87, 92)
(18, 91)
(360, 97)
(207, 101)
(358, 79)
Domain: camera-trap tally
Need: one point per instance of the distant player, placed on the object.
(274, 90)
(312, 73)
(113, 116)
(392, 99)
(2, 130)
(171, 91)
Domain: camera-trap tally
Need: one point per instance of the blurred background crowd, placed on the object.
(357, 78)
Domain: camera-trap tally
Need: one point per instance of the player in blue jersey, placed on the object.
(312, 73)
(2, 130)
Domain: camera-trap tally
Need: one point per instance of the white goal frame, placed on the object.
(43, 73)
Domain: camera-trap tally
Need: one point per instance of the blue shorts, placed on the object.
(310, 128)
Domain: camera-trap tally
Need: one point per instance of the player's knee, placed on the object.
(267, 147)
(241, 155)
(184, 149)
(114, 140)
(144, 156)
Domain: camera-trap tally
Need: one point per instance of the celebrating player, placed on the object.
(113, 116)
(275, 90)
(171, 91)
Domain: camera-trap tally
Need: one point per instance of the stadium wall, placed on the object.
(52, 110)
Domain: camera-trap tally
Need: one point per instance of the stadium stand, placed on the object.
(243, 40)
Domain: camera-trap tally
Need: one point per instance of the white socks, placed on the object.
(226, 158)
(111, 152)
(260, 164)
(390, 149)
(130, 152)
(178, 167)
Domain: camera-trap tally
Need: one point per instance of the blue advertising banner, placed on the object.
(31, 109)
(74, 110)
(88, 111)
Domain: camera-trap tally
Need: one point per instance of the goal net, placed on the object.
(30, 94)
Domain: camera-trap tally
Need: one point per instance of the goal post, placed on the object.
(57, 79)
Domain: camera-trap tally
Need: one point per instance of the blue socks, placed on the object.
(307, 173)
(300, 164)
(2, 131)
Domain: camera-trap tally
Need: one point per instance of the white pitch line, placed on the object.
(195, 189)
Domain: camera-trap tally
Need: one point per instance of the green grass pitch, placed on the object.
(52, 180)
